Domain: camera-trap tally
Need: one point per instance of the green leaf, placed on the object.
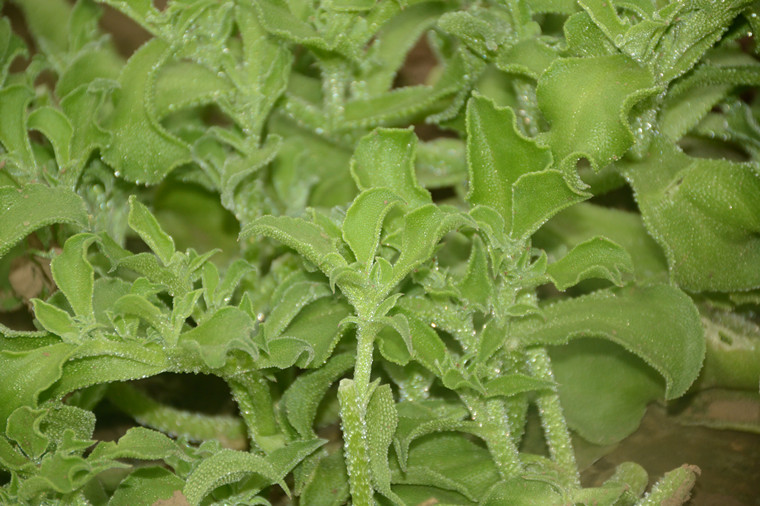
(523, 492)
(106, 360)
(287, 303)
(423, 228)
(138, 443)
(587, 101)
(228, 328)
(476, 285)
(54, 125)
(308, 239)
(302, 398)
(597, 257)
(145, 224)
(318, 325)
(473, 472)
(73, 274)
(56, 321)
(26, 209)
(27, 373)
(137, 305)
(146, 485)
(512, 384)
(530, 212)
(384, 158)
(329, 483)
(141, 150)
(370, 206)
(14, 101)
(604, 390)
(226, 466)
(383, 419)
(702, 212)
(658, 323)
(583, 222)
(23, 426)
(497, 155)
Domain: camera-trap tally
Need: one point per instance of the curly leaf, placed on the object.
(141, 149)
(587, 102)
(308, 239)
(227, 466)
(228, 328)
(74, 275)
(658, 323)
(385, 159)
(497, 155)
(146, 485)
(423, 228)
(702, 212)
(33, 206)
(537, 196)
(370, 207)
(595, 258)
(302, 398)
(27, 373)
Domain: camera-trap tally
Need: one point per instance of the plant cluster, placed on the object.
(245, 196)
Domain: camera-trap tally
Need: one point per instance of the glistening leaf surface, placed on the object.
(26, 209)
(658, 323)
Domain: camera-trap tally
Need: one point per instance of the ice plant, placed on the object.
(246, 197)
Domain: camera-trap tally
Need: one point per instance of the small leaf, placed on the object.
(27, 373)
(530, 211)
(138, 443)
(370, 207)
(23, 426)
(329, 483)
(137, 305)
(385, 159)
(658, 323)
(515, 383)
(56, 321)
(54, 125)
(476, 286)
(145, 224)
(308, 239)
(497, 155)
(141, 149)
(26, 209)
(595, 258)
(302, 398)
(423, 228)
(226, 466)
(147, 485)
(73, 274)
(228, 328)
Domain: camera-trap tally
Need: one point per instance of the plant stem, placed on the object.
(365, 336)
(492, 416)
(552, 418)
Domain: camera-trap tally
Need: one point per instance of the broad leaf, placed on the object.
(385, 159)
(701, 212)
(595, 258)
(497, 155)
(26, 209)
(658, 323)
(588, 101)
